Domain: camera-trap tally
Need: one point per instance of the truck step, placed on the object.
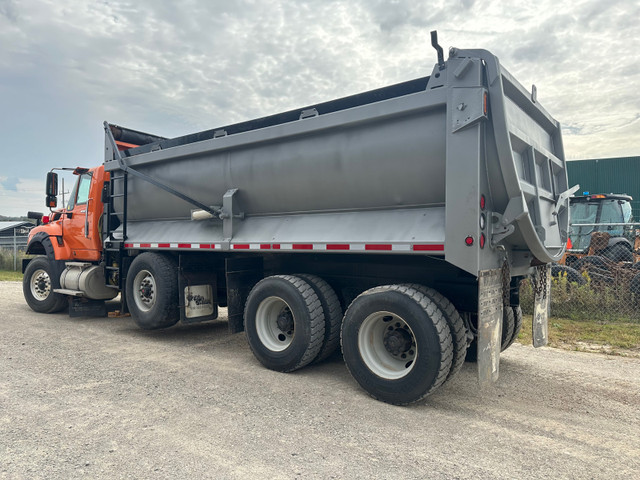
(73, 293)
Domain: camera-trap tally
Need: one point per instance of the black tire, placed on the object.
(38, 282)
(517, 316)
(619, 253)
(573, 275)
(508, 326)
(332, 314)
(456, 326)
(152, 291)
(284, 322)
(396, 344)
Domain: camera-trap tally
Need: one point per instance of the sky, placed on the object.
(177, 67)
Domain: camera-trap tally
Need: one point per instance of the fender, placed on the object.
(40, 243)
(52, 233)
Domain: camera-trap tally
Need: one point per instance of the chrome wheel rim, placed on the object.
(144, 290)
(275, 324)
(40, 285)
(387, 345)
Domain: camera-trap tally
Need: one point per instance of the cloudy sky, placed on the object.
(177, 67)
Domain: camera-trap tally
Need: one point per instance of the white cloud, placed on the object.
(23, 196)
(173, 68)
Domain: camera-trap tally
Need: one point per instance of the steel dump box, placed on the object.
(463, 163)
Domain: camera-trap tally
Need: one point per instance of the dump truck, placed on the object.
(397, 223)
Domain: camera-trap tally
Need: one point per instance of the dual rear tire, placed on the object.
(284, 322)
(399, 342)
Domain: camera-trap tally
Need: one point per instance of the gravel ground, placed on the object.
(99, 398)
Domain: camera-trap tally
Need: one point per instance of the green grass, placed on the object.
(10, 276)
(588, 335)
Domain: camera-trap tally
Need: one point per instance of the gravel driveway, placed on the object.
(99, 398)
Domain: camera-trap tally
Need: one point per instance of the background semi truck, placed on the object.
(397, 223)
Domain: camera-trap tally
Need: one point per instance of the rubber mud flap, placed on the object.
(541, 294)
(489, 326)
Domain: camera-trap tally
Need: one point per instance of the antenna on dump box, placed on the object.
(434, 44)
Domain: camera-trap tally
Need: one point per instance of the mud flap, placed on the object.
(541, 297)
(489, 325)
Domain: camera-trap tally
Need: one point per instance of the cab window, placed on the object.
(80, 192)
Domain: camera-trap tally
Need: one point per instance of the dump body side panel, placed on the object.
(404, 174)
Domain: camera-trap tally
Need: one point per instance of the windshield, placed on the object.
(582, 212)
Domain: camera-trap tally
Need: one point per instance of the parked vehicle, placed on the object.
(398, 222)
(603, 244)
(608, 214)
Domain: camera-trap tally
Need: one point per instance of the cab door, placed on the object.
(82, 218)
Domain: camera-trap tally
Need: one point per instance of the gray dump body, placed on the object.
(401, 170)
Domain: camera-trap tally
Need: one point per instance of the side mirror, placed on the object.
(52, 190)
(52, 184)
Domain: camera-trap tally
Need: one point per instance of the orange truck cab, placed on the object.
(69, 244)
(74, 231)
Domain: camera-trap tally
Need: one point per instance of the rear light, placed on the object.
(484, 107)
(483, 202)
(45, 219)
(482, 240)
(468, 241)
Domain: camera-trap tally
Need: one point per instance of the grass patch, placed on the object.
(10, 276)
(587, 335)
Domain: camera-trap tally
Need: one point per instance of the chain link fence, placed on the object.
(12, 251)
(599, 278)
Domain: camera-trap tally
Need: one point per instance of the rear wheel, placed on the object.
(511, 324)
(517, 324)
(396, 344)
(508, 325)
(38, 284)
(332, 314)
(152, 291)
(456, 326)
(284, 323)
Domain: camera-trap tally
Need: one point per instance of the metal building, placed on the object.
(608, 175)
(19, 229)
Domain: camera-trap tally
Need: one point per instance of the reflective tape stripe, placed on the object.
(352, 247)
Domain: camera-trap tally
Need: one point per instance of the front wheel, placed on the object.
(38, 284)
(396, 344)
